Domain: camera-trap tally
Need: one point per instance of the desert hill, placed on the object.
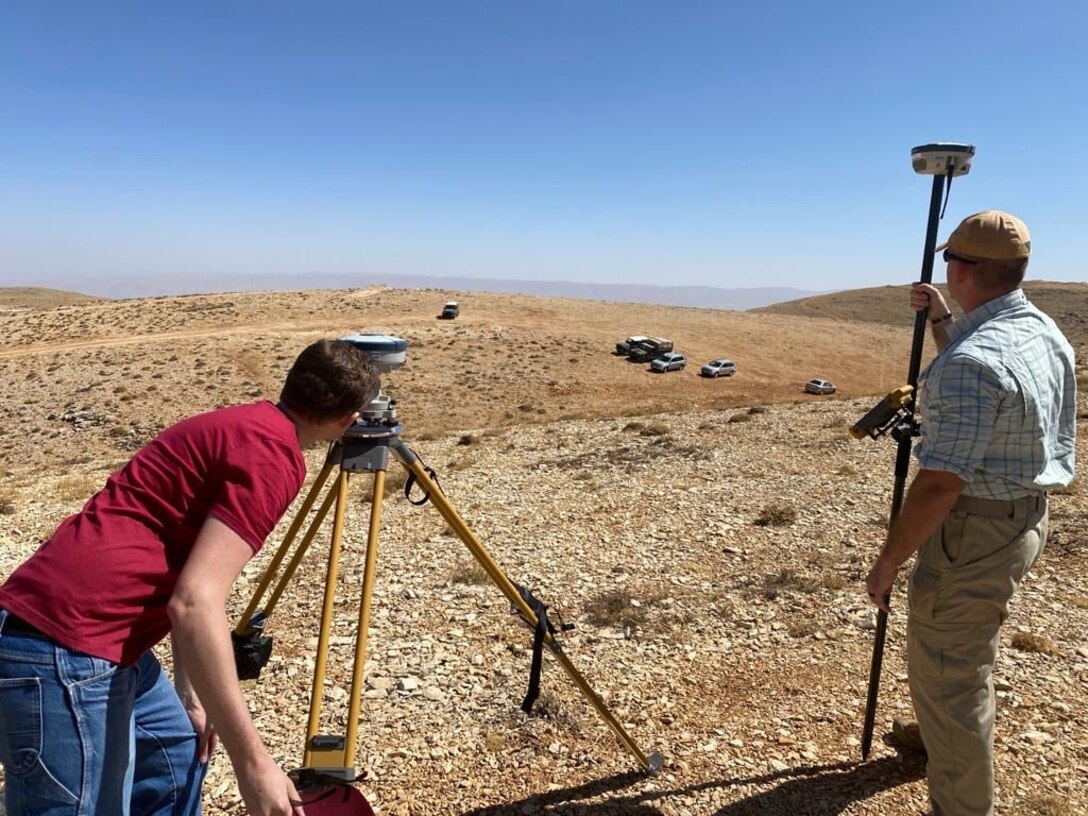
(38, 297)
(131, 366)
(707, 537)
(1067, 303)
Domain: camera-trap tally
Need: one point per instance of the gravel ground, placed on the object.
(711, 560)
(712, 565)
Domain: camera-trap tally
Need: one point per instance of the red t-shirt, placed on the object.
(101, 584)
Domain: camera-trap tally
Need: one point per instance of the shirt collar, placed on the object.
(980, 314)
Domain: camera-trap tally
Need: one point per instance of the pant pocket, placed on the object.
(29, 782)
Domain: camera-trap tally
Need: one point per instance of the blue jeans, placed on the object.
(80, 735)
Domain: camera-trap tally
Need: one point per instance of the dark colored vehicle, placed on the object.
(649, 349)
(625, 346)
(450, 310)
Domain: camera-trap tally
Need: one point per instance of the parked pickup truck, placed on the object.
(625, 346)
(649, 349)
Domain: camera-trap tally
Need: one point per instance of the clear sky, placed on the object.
(720, 143)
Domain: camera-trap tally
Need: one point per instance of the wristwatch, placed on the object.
(936, 321)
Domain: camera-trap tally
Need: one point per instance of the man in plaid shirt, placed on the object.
(998, 414)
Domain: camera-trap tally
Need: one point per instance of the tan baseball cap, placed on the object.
(990, 235)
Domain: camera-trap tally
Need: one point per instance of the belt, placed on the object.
(17, 626)
(998, 508)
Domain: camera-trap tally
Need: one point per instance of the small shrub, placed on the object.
(654, 429)
(467, 439)
(1071, 489)
(1049, 805)
(776, 514)
(634, 426)
(1079, 601)
(614, 608)
(787, 579)
(802, 629)
(76, 488)
(394, 482)
(1027, 642)
(834, 581)
(847, 470)
(758, 409)
(7, 503)
(740, 418)
(469, 572)
(495, 742)
(549, 707)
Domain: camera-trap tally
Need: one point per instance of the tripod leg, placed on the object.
(303, 547)
(409, 459)
(363, 628)
(326, 616)
(243, 624)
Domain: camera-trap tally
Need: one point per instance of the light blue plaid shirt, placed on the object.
(998, 404)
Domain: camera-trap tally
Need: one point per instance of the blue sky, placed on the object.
(717, 143)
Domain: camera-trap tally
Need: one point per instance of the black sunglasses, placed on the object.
(949, 256)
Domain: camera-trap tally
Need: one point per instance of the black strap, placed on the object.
(542, 628)
(412, 480)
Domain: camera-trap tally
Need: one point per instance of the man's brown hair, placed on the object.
(329, 380)
(999, 275)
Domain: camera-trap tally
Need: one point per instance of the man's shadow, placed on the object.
(819, 790)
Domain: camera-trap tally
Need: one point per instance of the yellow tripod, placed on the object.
(365, 448)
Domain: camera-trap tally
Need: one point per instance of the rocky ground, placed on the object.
(711, 561)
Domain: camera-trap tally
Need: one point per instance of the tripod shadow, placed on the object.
(817, 789)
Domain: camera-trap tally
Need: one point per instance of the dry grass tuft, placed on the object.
(1071, 489)
(654, 429)
(615, 608)
(548, 706)
(788, 580)
(1079, 601)
(468, 571)
(7, 501)
(394, 483)
(1049, 805)
(802, 629)
(1040, 644)
(740, 418)
(77, 487)
(777, 514)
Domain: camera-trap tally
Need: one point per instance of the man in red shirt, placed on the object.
(89, 723)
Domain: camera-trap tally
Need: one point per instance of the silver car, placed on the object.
(670, 361)
(820, 387)
(719, 368)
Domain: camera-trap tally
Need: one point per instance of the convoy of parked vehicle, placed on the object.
(663, 357)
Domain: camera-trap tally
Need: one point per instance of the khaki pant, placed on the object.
(959, 593)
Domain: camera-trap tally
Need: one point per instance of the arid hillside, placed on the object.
(708, 539)
(121, 370)
(1067, 303)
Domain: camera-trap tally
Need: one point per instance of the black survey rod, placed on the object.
(902, 456)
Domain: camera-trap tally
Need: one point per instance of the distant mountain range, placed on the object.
(136, 286)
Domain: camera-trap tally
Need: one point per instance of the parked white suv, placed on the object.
(670, 361)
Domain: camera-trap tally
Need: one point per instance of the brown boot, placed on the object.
(907, 737)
